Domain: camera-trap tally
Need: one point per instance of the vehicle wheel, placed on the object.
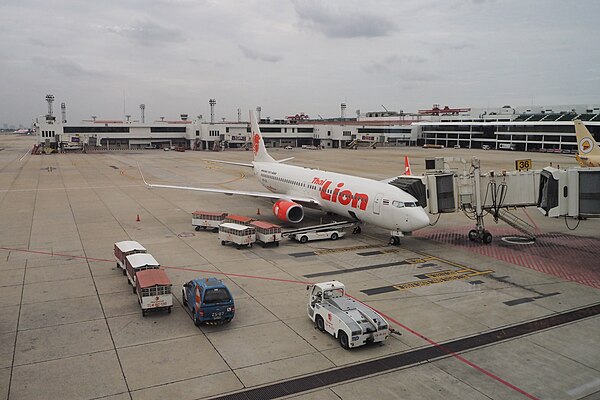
(169, 310)
(303, 239)
(215, 230)
(222, 243)
(183, 299)
(320, 323)
(250, 245)
(237, 246)
(356, 230)
(124, 272)
(134, 290)
(276, 244)
(343, 338)
(195, 318)
(334, 236)
(197, 228)
(487, 237)
(118, 266)
(473, 235)
(143, 313)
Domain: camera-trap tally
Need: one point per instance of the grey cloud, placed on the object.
(147, 33)
(67, 68)
(391, 63)
(342, 21)
(257, 55)
(43, 43)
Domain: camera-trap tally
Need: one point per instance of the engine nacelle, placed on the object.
(288, 211)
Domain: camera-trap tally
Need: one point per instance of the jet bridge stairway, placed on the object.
(519, 224)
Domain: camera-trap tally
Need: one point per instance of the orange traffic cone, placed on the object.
(258, 211)
(138, 218)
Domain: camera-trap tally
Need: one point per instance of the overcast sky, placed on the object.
(291, 56)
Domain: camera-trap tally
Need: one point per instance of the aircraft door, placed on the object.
(377, 204)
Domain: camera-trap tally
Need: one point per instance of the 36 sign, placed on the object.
(523, 165)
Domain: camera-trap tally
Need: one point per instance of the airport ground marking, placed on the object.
(393, 320)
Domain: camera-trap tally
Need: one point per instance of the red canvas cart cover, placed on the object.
(152, 277)
(264, 225)
(239, 218)
(216, 214)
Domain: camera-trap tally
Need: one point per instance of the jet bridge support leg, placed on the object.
(479, 233)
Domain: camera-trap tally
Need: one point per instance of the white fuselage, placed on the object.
(370, 201)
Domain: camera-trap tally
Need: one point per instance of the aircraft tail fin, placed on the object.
(586, 145)
(258, 145)
(407, 170)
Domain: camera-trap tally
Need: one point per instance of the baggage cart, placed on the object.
(154, 290)
(124, 249)
(241, 235)
(267, 232)
(139, 262)
(238, 219)
(207, 219)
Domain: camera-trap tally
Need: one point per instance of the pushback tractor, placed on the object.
(351, 322)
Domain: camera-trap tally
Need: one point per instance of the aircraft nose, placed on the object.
(420, 219)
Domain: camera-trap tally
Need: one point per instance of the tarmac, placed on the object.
(504, 321)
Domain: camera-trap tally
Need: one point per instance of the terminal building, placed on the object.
(503, 128)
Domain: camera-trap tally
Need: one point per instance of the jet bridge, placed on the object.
(574, 192)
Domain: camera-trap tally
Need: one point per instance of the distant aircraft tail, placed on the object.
(407, 170)
(258, 145)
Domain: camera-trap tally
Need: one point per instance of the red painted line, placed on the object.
(425, 338)
(451, 353)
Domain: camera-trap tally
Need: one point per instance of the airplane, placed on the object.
(294, 187)
(588, 154)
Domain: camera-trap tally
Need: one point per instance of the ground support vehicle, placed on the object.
(351, 322)
(209, 300)
(333, 231)
(124, 249)
(267, 232)
(241, 235)
(238, 219)
(154, 290)
(207, 219)
(139, 262)
(332, 234)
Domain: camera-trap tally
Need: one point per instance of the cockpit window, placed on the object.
(409, 204)
(398, 204)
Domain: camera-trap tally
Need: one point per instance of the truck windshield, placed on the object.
(218, 295)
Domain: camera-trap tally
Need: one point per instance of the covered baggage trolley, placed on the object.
(238, 219)
(207, 219)
(154, 290)
(139, 262)
(267, 232)
(124, 249)
(241, 235)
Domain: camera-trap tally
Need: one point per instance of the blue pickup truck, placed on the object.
(209, 300)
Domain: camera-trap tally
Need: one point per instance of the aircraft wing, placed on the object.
(265, 195)
(305, 201)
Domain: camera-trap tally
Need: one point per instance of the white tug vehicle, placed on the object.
(351, 322)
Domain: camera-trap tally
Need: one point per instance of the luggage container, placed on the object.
(139, 262)
(238, 219)
(124, 249)
(207, 219)
(241, 235)
(154, 290)
(267, 232)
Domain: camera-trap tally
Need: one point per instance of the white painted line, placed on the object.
(584, 388)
